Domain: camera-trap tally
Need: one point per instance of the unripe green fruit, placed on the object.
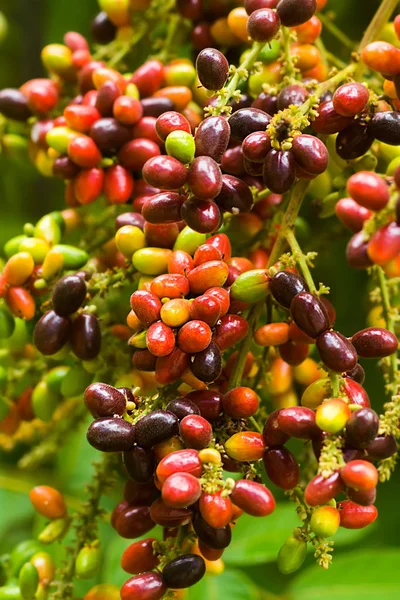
(48, 229)
(181, 146)
(59, 138)
(36, 247)
(44, 401)
(7, 324)
(325, 521)
(12, 246)
(55, 377)
(292, 555)
(77, 381)
(22, 553)
(87, 562)
(54, 531)
(189, 240)
(28, 581)
(251, 286)
(74, 258)
(316, 393)
(10, 592)
(332, 415)
(151, 261)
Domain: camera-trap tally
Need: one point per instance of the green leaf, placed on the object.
(257, 541)
(231, 584)
(367, 575)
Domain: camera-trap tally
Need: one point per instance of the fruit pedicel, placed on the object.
(171, 298)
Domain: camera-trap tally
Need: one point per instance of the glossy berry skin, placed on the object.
(310, 154)
(351, 214)
(205, 308)
(386, 127)
(279, 172)
(139, 557)
(292, 12)
(329, 121)
(235, 195)
(361, 497)
(309, 314)
(146, 586)
(332, 415)
(325, 521)
(360, 475)
(216, 510)
(357, 252)
(163, 208)
(109, 434)
(165, 172)
(166, 516)
(207, 364)
(209, 403)
(104, 400)
(354, 141)
(245, 121)
(252, 497)
(240, 403)
(336, 352)
(181, 461)
(245, 446)
(382, 57)
(218, 539)
(256, 146)
(355, 516)
(350, 99)
(281, 467)
(203, 216)
(182, 407)
(195, 431)
(263, 25)
(362, 428)
(184, 571)
(68, 294)
(212, 68)
(155, 427)
(374, 342)
(51, 333)
(48, 502)
(205, 178)
(284, 286)
(369, 190)
(181, 490)
(320, 490)
(212, 138)
(194, 336)
(382, 447)
(86, 336)
(298, 422)
(272, 433)
(140, 464)
(294, 353)
(384, 245)
(160, 339)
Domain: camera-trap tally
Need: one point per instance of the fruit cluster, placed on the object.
(184, 179)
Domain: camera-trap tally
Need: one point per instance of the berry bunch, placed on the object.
(184, 179)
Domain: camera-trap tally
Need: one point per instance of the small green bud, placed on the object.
(28, 581)
(87, 562)
(54, 531)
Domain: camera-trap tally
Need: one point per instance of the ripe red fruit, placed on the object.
(369, 190)
(118, 184)
(384, 245)
(195, 431)
(146, 586)
(160, 339)
(88, 185)
(48, 502)
(320, 489)
(139, 557)
(180, 490)
(281, 467)
(355, 516)
(263, 25)
(181, 461)
(298, 422)
(240, 403)
(374, 342)
(351, 214)
(194, 336)
(83, 152)
(252, 497)
(360, 475)
(350, 99)
(216, 510)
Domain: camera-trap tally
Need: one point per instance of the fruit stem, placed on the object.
(381, 17)
(335, 382)
(296, 197)
(300, 258)
(335, 31)
(237, 373)
(389, 316)
(289, 63)
(256, 425)
(242, 71)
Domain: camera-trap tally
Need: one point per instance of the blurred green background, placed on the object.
(366, 563)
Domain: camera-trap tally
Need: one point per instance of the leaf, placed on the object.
(231, 584)
(17, 518)
(367, 575)
(258, 540)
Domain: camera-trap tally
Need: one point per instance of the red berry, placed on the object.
(355, 516)
(180, 490)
